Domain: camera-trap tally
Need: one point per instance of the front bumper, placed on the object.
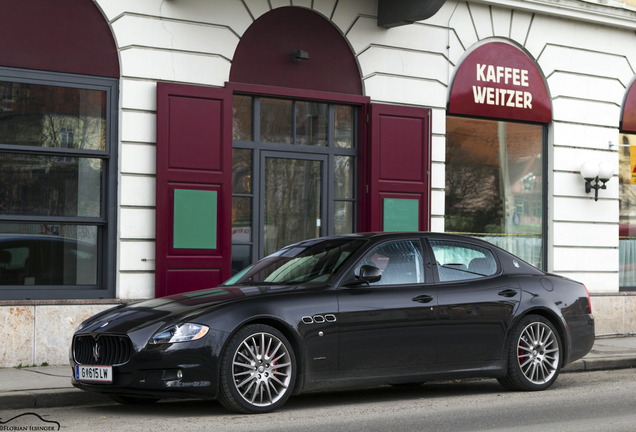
(187, 369)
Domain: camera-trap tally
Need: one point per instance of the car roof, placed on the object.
(398, 234)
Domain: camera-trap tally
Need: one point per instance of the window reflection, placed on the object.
(49, 116)
(343, 126)
(494, 184)
(292, 201)
(343, 217)
(627, 213)
(343, 183)
(276, 120)
(50, 185)
(242, 117)
(307, 262)
(48, 254)
(241, 219)
(311, 123)
(241, 257)
(241, 171)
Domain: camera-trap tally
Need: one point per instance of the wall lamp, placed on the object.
(597, 173)
(298, 55)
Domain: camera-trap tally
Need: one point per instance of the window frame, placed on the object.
(106, 223)
(544, 185)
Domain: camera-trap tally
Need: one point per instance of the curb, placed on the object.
(599, 364)
(50, 399)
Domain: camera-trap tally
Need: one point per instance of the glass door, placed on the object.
(293, 199)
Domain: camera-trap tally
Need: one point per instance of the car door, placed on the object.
(389, 323)
(476, 302)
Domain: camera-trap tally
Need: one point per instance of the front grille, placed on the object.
(106, 350)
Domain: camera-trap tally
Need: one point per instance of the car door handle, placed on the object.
(423, 298)
(508, 293)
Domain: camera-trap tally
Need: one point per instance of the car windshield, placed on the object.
(311, 261)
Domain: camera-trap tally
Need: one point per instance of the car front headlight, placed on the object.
(180, 333)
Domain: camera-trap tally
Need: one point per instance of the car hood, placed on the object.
(175, 308)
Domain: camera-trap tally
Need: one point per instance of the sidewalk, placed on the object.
(44, 387)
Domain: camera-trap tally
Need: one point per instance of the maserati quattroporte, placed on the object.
(342, 312)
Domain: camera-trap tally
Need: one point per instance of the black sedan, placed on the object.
(342, 312)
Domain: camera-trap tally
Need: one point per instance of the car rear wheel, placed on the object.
(258, 370)
(534, 355)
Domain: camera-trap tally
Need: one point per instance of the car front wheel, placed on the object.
(258, 370)
(534, 355)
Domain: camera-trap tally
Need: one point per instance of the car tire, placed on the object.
(132, 400)
(258, 370)
(534, 355)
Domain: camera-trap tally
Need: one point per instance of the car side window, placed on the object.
(400, 263)
(460, 261)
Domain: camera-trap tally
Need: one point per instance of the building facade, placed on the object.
(151, 147)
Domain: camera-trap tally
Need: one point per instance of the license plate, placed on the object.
(94, 373)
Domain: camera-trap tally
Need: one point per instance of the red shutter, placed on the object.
(194, 158)
(398, 163)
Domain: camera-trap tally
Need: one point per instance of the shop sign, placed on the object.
(498, 80)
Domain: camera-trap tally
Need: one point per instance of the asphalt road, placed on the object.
(591, 401)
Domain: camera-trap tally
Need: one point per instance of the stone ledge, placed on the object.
(67, 302)
(598, 364)
(614, 294)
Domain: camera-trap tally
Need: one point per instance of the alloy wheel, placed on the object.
(538, 353)
(262, 369)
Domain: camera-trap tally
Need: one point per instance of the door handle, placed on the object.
(423, 298)
(508, 293)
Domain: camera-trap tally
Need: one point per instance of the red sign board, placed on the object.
(498, 80)
(628, 122)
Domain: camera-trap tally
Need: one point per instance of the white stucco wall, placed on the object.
(587, 60)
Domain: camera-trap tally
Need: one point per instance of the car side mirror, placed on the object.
(369, 274)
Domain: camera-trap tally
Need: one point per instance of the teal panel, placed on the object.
(401, 214)
(195, 219)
